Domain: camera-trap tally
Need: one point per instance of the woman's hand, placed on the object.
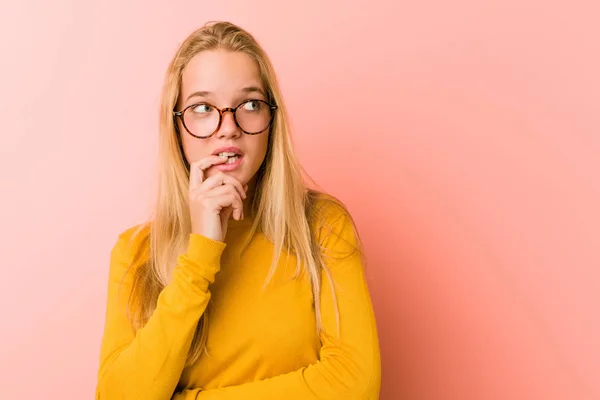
(214, 199)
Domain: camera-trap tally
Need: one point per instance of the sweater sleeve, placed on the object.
(147, 364)
(349, 363)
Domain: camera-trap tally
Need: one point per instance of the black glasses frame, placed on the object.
(179, 114)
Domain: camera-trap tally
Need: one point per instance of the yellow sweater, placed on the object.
(262, 344)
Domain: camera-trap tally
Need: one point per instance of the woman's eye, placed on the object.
(252, 105)
(202, 108)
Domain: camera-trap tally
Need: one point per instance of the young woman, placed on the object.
(245, 284)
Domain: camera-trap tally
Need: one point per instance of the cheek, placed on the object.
(256, 148)
(260, 149)
(193, 148)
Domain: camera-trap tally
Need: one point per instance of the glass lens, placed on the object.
(201, 120)
(253, 116)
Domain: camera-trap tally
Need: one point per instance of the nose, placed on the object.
(228, 126)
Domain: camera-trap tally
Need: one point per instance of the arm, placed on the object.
(148, 364)
(349, 364)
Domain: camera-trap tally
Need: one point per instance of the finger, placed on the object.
(222, 190)
(228, 200)
(227, 191)
(225, 214)
(197, 169)
(237, 206)
(196, 176)
(221, 179)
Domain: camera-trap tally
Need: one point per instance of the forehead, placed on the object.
(221, 72)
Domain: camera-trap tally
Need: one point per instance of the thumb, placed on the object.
(225, 214)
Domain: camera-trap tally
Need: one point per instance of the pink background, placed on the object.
(463, 135)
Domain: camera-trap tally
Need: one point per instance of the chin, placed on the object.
(240, 175)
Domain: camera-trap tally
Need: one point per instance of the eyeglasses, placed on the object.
(202, 120)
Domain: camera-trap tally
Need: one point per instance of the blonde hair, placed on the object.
(285, 216)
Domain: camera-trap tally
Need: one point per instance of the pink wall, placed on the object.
(463, 136)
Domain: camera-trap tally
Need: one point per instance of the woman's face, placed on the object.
(223, 79)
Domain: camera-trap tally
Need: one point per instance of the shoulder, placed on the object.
(131, 246)
(326, 208)
(331, 221)
(323, 207)
(135, 233)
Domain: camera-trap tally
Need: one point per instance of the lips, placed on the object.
(231, 149)
(232, 164)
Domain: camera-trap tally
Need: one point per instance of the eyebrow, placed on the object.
(248, 89)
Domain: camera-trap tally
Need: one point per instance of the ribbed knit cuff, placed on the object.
(205, 250)
(201, 262)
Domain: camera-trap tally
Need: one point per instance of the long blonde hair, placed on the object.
(284, 216)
